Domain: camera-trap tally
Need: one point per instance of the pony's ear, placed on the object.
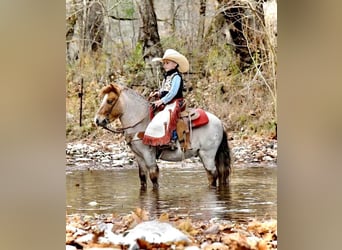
(116, 89)
(110, 88)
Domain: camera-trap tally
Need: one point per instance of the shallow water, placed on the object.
(252, 193)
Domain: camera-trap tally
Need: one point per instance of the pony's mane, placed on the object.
(134, 94)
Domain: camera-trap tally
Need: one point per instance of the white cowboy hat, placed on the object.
(173, 55)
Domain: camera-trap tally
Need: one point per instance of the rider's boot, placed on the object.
(172, 145)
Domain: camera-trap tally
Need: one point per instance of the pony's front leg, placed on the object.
(152, 170)
(143, 172)
(146, 158)
(151, 165)
(154, 175)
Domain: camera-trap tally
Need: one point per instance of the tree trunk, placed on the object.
(201, 25)
(72, 18)
(244, 19)
(172, 16)
(71, 22)
(149, 37)
(94, 26)
(234, 15)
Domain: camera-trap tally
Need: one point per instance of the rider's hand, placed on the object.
(158, 103)
(153, 94)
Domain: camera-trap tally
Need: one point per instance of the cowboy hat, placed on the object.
(173, 55)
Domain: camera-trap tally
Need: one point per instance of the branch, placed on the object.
(259, 73)
(123, 18)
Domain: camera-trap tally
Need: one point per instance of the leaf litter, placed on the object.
(111, 231)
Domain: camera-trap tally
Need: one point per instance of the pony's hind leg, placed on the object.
(212, 177)
(210, 167)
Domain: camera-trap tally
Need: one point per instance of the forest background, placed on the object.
(231, 46)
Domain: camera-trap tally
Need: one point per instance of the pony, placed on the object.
(208, 142)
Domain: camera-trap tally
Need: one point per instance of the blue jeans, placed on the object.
(174, 135)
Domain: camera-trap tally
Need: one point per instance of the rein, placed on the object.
(121, 130)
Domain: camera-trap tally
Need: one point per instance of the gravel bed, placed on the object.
(105, 154)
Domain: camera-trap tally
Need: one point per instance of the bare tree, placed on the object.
(172, 16)
(251, 41)
(202, 13)
(95, 25)
(88, 16)
(245, 20)
(149, 37)
(71, 21)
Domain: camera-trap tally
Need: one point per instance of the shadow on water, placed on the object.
(252, 193)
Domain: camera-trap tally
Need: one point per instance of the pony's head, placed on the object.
(111, 107)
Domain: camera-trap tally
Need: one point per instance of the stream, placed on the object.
(252, 193)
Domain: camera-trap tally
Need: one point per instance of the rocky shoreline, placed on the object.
(105, 154)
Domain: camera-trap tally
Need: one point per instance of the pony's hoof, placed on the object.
(143, 187)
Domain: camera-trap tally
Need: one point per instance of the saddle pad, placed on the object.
(201, 120)
(158, 131)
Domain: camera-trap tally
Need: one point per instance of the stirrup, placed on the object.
(173, 145)
(170, 146)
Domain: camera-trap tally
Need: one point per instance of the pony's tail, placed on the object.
(223, 160)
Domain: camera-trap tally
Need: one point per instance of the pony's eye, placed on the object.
(109, 101)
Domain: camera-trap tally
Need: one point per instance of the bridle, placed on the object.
(120, 130)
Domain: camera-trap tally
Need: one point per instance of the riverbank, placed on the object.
(116, 232)
(102, 153)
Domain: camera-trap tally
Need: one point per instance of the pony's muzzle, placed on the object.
(101, 122)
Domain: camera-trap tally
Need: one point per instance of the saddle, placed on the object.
(187, 120)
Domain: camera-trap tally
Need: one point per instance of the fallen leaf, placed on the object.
(164, 217)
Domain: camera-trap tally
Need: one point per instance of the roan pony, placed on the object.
(209, 141)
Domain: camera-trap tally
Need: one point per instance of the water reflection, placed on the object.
(251, 194)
